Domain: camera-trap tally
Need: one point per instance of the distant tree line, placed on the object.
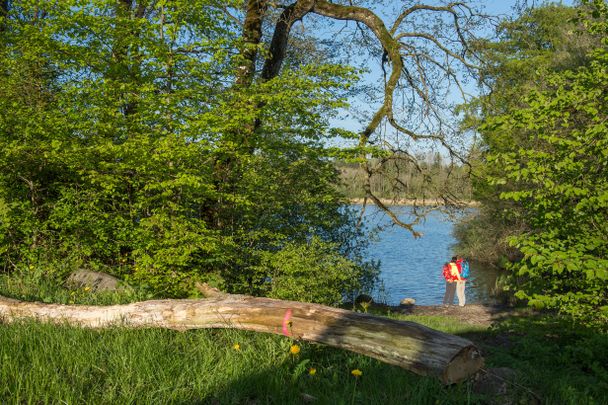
(427, 176)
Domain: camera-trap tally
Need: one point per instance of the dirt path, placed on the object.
(474, 314)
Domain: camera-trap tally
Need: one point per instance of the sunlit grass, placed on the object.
(45, 363)
(42, 363)
(445, 324)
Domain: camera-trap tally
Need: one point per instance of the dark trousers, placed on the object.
(450, 290)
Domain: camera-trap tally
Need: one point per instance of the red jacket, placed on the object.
(447, 272)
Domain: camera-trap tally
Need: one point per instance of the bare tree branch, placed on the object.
(415, 65)
(438, 44)
(448, 8)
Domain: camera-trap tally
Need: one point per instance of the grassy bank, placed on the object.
(41, 363)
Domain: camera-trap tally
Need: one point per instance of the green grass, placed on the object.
(561, 362)
(42, 363)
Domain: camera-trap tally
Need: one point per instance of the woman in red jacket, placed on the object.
(450, 282)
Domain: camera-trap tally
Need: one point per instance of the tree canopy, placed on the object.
(183, 141)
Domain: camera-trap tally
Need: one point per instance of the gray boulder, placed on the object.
(96, 281)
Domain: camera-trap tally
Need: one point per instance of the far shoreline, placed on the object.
(432, 202)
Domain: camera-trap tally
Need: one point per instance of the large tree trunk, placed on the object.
(406, 344)
(252, 35)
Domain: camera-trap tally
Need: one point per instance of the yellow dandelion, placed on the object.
(87, 289)
(357, 373)
(237, 347)
(294, 349)
(312, 371)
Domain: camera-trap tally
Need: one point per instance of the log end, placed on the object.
(463, 365)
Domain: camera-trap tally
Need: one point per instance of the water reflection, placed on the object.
(412, 268)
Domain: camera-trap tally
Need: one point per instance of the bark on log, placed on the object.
(406, 344)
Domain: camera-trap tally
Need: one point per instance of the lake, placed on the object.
(412, 267)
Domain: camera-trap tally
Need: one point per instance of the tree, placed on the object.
(553, 171)
(423, 60)
(175, 142)
(539, 42)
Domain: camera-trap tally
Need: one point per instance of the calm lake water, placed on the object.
(412, 268)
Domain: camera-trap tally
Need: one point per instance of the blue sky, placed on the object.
(504, 8)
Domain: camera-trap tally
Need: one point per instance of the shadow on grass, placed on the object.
(290, 382)
(556, 361)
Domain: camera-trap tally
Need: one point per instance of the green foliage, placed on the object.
(126, 147)
(562, 187)
(314, 273)
(44, 284)
(541, 40)
(547, 159)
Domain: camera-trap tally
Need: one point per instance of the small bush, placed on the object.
(314, 272)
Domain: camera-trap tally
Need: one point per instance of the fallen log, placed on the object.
(406, 344)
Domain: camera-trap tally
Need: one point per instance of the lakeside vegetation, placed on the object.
(541, 175)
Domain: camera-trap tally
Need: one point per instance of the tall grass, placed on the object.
(43, 363)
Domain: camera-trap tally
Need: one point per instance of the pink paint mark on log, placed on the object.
(286, 322)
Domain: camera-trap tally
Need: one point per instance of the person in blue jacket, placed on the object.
(463, 268)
